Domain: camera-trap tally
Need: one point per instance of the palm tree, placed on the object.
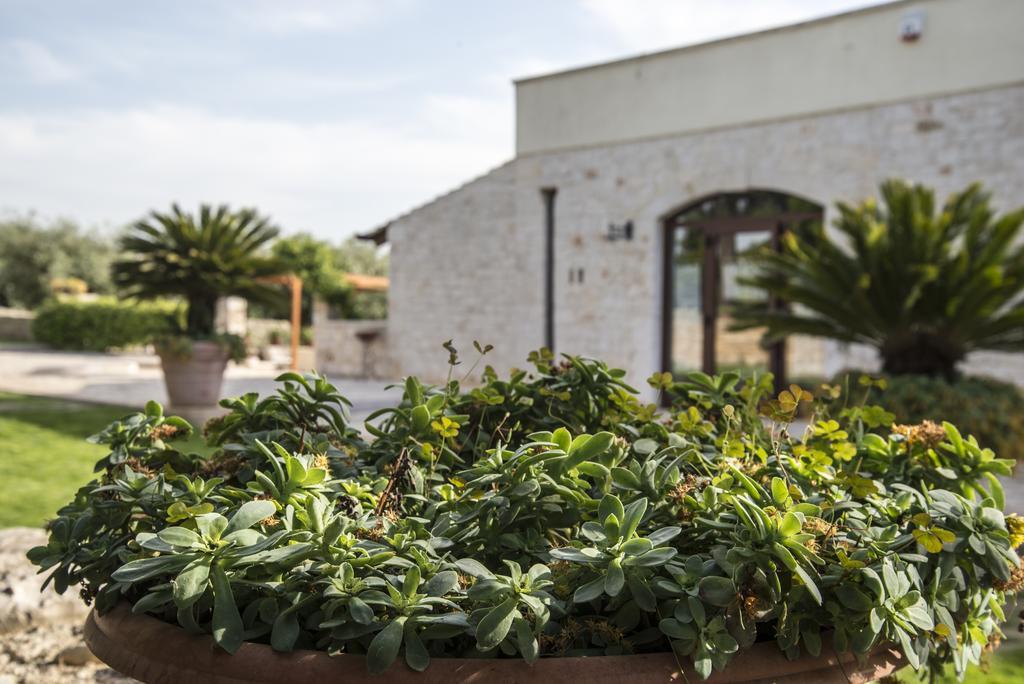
(173, 254)
(924, 288)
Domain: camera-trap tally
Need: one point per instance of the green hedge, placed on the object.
(991, 410)
(103, 324)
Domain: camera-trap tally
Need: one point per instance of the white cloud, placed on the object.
(332, 178)
(646, 25)
(36, 62)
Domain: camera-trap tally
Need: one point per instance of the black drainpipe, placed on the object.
(549, 266)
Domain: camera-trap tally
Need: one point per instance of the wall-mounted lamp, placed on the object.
(623, 231)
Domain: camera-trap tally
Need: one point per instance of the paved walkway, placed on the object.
(134, 379)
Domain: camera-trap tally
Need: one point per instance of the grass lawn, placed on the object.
(1006, 667)
(44, 457)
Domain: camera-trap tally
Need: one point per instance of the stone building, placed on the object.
(634, 180)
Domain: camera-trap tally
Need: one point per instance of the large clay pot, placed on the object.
(156, 652)
(194, 380)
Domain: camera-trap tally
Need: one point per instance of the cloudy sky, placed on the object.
(332, 117)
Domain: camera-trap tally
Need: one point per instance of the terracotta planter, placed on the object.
(195, 380)
(160, 653)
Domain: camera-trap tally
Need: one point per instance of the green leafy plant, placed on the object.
(107, 323)
(989, 409)
(200, 259)
(923, 285)
(546, 515)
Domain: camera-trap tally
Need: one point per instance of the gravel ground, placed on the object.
(41, 632)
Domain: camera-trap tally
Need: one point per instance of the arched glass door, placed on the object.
(707, 249)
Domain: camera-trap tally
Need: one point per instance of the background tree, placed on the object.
(219, 254)
(322, 267)
(924, 287)
(313, 261)
(33, 255)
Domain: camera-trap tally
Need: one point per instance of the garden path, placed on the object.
(132, 379)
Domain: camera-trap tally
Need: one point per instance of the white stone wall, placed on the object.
(470, 264)
(463, 267)
(354, 349)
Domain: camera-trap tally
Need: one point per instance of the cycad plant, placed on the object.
(923, 287)
(217, 254)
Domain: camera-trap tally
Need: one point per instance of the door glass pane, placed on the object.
(738, 350)
(687, 330)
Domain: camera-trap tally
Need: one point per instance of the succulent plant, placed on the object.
(550, 513)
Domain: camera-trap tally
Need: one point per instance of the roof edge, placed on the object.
(379, 234)
(876, 7)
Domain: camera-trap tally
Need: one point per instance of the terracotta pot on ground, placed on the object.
(195, 380)
(156, 652)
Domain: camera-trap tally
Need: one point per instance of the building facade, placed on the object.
(585, 240)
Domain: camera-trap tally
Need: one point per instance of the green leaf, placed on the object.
(413, 391)
(384, 648)
(181, 537)
(227, 623)
(526, 641)
(589, 591)
(360, 611)
(653, 558)
(610, 506)
(411, 581)
(587, 450)
(442, 583)
(853, 598)
(809, 582)
(420, 418)
(625, 479)
(634, 513)
(495, 625)
(562, 439)
(717, 591)
(145, 568)
(641, 592)
(250, 513)
(191, 582)
(285, 631)
(790, 525)
(614, 579)
(416, 655)
(676, 630)
(474, 568)
(645, 446)
(780, 492)
(211, 525)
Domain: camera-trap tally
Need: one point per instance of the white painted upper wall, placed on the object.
(845, 61)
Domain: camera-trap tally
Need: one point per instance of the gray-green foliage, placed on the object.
(32, 254)
(521, 519)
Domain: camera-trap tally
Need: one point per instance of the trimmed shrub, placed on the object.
(103, 324)
(991, 410)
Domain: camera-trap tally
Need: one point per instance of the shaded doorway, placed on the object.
(707, 247)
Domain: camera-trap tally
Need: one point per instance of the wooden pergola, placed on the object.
(294, 282)
(359, 281)
(367, 283)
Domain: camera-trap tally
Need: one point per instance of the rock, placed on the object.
(76, 656)
(41, 632)
(21, 602)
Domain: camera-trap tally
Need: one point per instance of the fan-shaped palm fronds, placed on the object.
(924, 288)
(219, 254)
